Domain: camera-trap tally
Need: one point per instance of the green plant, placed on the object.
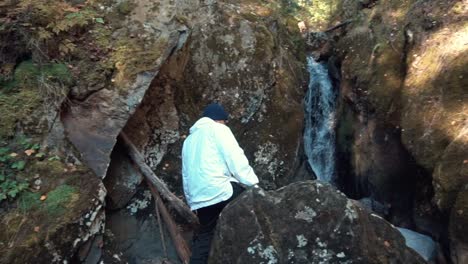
(12, 164)
(9, 187)
(4, 157)
(19, 165)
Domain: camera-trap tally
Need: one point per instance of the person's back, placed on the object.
(212, 165)
(206, 178)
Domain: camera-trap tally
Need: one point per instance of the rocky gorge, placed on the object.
(74, 75)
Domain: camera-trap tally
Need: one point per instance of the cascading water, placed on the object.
(319, 135)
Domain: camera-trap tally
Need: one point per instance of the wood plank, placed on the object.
(179, 242)
(173, 201)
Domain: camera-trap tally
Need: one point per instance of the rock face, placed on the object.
(457, 228)
(238, 53)
(133, 234)
(402, 131)
(97, 117)
(149, 68)
(305, 222)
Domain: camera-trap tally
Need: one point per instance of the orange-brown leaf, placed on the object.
(29, 152)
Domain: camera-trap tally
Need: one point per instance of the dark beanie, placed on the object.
(215, 112)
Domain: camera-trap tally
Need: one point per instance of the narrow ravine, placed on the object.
(320, 120)
(320, 146)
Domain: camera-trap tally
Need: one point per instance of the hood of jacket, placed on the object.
(202, 122)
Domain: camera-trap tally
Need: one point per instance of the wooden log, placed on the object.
(179, 242)
(161, 232)
(173, 201)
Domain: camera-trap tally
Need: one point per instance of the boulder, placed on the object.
(245, 55)
(142, 39)
(305, 222)
(458, 228)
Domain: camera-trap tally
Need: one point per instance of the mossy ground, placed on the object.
(34, 217)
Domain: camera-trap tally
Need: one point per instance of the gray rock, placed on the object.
(305, 222)
(372, 205)
(122, 179)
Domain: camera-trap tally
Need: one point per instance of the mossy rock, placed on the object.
(56, 203)
(450, 174)
(23, 95)
(126, 7)
(42, 217)
(458, 233)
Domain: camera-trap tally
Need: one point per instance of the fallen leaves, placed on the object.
(29, 152)
(43, 197)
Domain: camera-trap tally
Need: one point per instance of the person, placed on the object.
(213, 165)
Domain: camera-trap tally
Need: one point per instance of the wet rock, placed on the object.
(133, 234)
(372, 205)
(323, 226)
(122, 179)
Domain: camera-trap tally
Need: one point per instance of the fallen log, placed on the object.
(173, 201)
(179, 242)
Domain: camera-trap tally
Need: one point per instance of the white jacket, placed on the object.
(211, 159)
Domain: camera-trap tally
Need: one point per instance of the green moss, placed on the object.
(265, 43)
(15, 107)
(132, 56)
(102, 37)
(56, 203)
(126, 7)
(29, 201)
(48, 168)
(28, 74)
(57, 72)
(58, 200)
(21, 96)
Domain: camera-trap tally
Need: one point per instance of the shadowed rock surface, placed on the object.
(305, 222)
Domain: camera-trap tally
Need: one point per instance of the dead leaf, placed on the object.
(387, 244)
(71, 9)
(43, 197)
(13, 154)
(36, 229)
(29, 152)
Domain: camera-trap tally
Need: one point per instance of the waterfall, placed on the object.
(319, 134)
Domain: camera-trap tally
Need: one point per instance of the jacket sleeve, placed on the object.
(234, 156)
